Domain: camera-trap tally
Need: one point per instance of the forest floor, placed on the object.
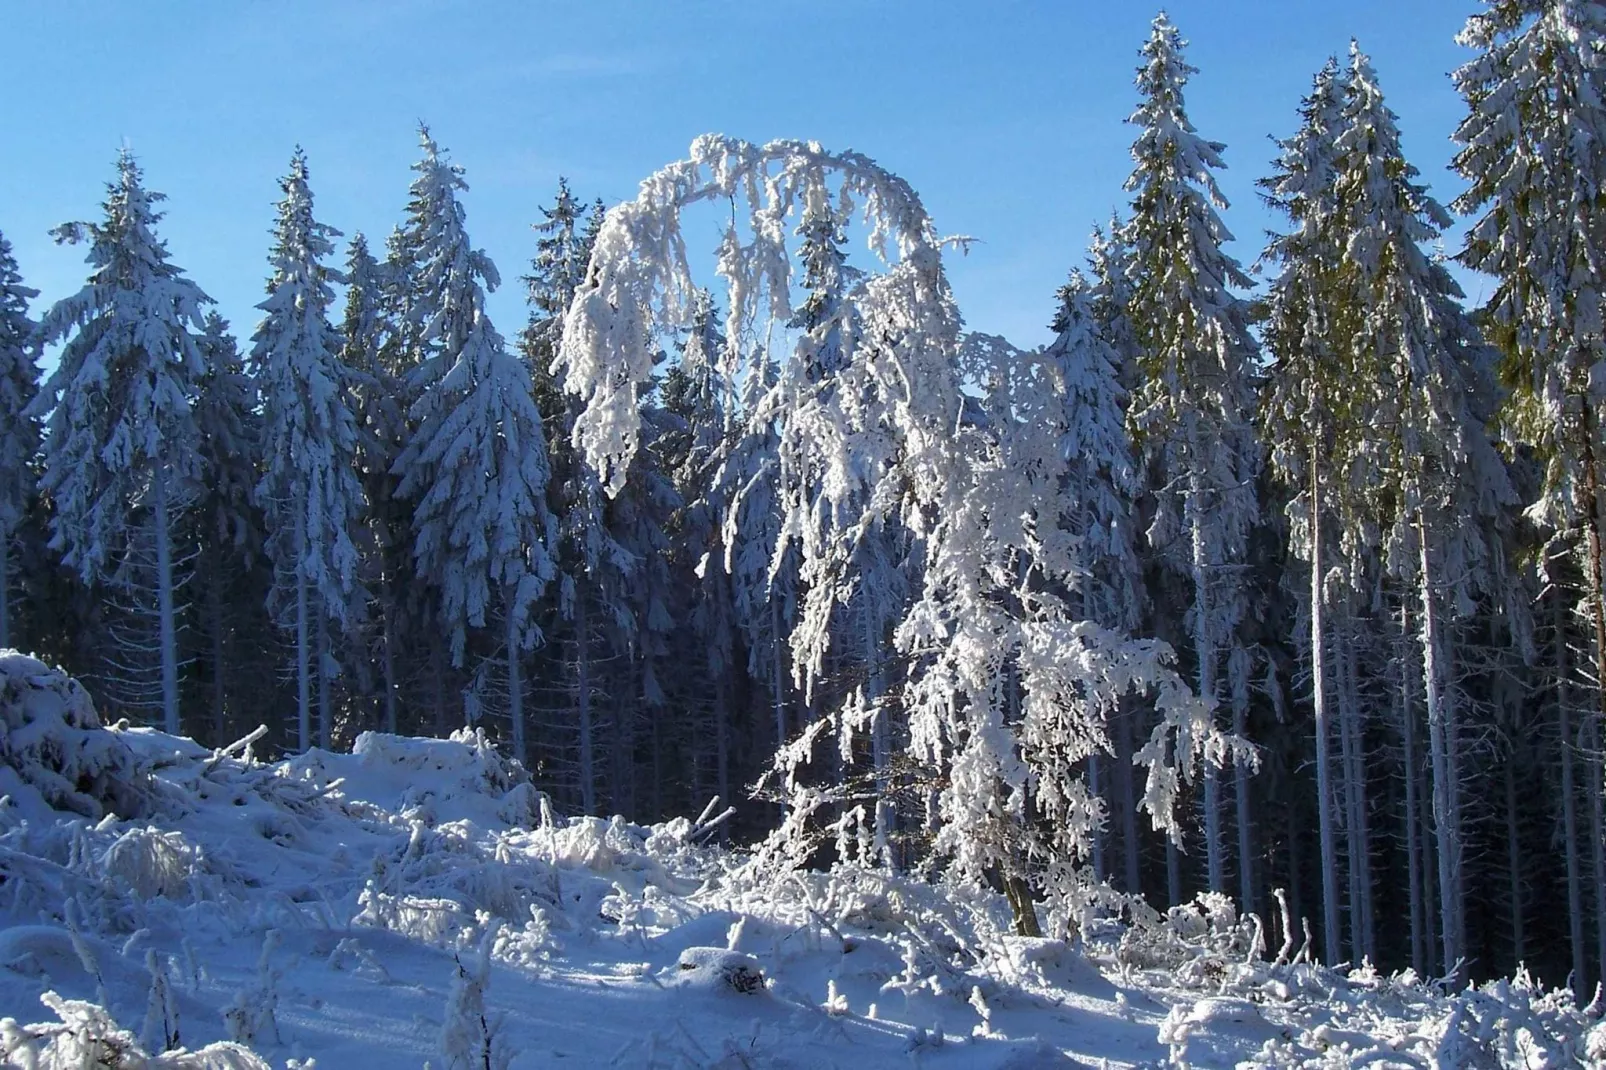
(361, 910)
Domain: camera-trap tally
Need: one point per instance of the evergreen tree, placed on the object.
(19, 426)
(1426, 381)
(309, 492)
(476, 462)
(120, 448)
(1533, 150)
(1308, 428)
(1191, 412)
(230, 534)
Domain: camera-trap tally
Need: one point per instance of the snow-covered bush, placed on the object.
(53, 747)
(88, 1036)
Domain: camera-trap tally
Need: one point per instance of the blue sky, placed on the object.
(1009, 118)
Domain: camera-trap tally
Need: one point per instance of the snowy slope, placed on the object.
(385, 908)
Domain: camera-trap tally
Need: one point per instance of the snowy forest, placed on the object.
(1280, 579)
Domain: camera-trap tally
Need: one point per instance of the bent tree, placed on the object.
(881, 440)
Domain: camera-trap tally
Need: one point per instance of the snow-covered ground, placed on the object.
(398, 905)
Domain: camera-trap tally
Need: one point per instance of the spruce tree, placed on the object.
(1192, 410)
(19, 426)
(120, 456)
(309, 492)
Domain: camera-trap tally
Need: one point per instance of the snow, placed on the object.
(416, 900)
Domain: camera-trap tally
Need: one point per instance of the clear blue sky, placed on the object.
(1009, 118)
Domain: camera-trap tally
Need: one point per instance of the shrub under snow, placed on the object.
(53, 748)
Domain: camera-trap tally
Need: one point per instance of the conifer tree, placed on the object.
(1533, 150)
(19, 426)
(1191, 411)
(309, 492)
(476, 461)
(120, 455)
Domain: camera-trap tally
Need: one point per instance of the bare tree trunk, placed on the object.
(1413, 848)
(582, 676)
(515, 682)
(1205, 650)
(1126, 789)
(388, 655)
(1439, 737)
(214, 613)
(1240, 781)
(5, 588)
(1354, 820)
(164, 604)
(1569, 801)
(326, 715)
(1324, 763)
(1514, 860)
(303, 681)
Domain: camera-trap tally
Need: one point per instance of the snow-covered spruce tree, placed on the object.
(229, 527)
(591, 563)
(1430, 377)
(120, 456)
(19, 426)
(309, 492)
(1192, 410)
(886, 442)
(367, 337)
(1533, 150)
(1309, 427)
(476, 461)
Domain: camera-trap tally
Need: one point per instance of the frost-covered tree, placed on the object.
(885, 443)
(229, 526)
(1426, 380)
(120, 455)
(1310, 430)
(19, 425)
(476, 461)
(1533, 150)
(1192, 410)
(309, 491)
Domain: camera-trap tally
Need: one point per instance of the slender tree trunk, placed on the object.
(886, 818)
(214, 613)
(1597, 845)
(326, 715)
(1173, 872)
(582, 677)
(1240, 782)
(388, 655)
(1439, 736)
(437, 671)
(1126, 788)
(303, 680)
(777, 671)
(1569, 801)
(1597, 607)
(5, 587)
(1354, 828)
(515, 683)
(1205, 649)
(1514, 861)
(1095, 787)
(1324, 764)
(1413, 848)
(164, 604)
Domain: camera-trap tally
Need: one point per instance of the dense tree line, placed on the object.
(1236, 586)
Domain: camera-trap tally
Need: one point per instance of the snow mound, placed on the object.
(714, 969)
(53, 751)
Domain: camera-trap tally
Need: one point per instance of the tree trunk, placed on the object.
(1240, 782)
(1569, 802)
(1205, 650)
(1126, 789)
(164, 604)
(1597, 844)
(1095, 788)
(303, 681)
(1354, 822)
(1413, 847)
(326, 716)
(582, 677)
(1514, 860)
(388, 655)
(1439, 736)
(515, 685)
(1324, 764)
(5, 588)
(214, 614)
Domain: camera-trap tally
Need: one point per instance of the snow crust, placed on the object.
(418, 901)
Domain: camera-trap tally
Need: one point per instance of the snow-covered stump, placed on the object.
(54, 751)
